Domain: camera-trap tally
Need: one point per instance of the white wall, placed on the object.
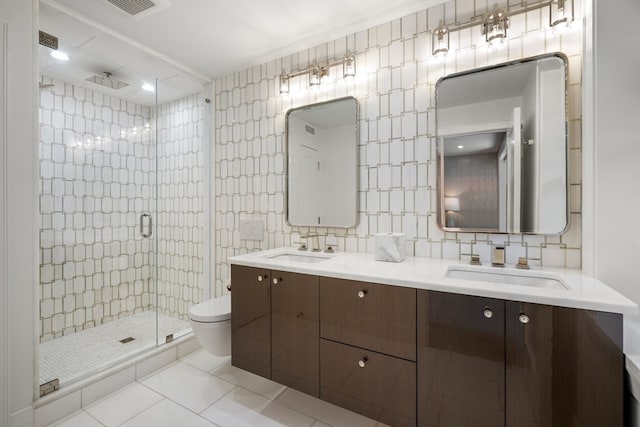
(18, 151)
(617, 145)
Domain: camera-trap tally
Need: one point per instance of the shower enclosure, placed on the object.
(122, 200)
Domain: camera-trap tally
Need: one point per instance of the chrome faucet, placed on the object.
(497, 256)
(315, 242)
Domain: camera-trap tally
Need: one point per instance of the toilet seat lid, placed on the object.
(213, 310)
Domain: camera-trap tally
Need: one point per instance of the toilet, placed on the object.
(211, 324)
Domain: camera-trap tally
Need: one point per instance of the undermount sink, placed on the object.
(306, 257)
(516, 277)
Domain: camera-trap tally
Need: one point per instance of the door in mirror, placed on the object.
(322, 164)
(502, 148)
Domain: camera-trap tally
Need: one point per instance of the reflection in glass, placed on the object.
(321, 164)
(502, 148)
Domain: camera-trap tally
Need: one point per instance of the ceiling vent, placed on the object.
(139, 8)
(48, 40)
(105, 79)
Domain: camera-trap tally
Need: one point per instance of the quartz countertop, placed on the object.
(426, 273)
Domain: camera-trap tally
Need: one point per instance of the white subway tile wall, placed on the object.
(395, 88)
(97, 169)
(180, 219)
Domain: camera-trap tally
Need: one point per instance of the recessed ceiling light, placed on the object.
(148, 87)
(59, 55)
(460, 147)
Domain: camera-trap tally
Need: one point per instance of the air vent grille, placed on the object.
(309, 129)
(133, 7)
(48, 40)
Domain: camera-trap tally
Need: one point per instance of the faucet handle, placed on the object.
(301, 246)
(330, 248)
(522, 263)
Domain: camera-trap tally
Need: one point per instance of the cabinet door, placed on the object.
(373, 384)
(368, 315)
(251, 320)
(564, 367)
(461, 374)
(295, 331)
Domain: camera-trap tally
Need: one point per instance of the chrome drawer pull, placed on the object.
(362, 293)
(363, 362)
(488, 313)
(523, 318)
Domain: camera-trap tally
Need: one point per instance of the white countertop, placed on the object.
(426, 273)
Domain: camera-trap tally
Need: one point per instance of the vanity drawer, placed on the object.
(369, 383)
(377, 317)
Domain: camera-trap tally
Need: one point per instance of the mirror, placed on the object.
(322, 164)
(502, 148)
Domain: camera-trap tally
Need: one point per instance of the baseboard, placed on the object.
(22, 418)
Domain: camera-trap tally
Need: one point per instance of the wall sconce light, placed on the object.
(284, 83)
(317, 74)
(560, 15)
(314, 76)
(494, 24)
(494, 27)
(348, 66)
(451, 206)
(440, 41)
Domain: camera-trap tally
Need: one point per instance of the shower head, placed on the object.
(106, 79)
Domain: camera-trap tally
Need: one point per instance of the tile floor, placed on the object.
(204, 390)
(73, 357)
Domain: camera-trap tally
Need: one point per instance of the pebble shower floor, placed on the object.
(76, 356)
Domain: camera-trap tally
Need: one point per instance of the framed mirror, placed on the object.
(502, 148)
(321, 146)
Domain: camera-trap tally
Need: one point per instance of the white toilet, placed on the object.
(211, 324)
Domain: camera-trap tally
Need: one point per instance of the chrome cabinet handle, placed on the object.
(488, 313)
(276, 281)
(362, 293)
(523, 318)
(150, 228)
(260, 278)
(229, 286)
(363, 362)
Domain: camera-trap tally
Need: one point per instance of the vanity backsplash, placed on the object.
(394, 85)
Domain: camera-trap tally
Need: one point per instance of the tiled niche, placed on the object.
(98, 162)
(397, 181)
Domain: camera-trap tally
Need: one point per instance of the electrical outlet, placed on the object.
(251, 229)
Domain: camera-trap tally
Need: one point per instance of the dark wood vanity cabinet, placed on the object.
(274, 326)
(295, 337)
(369, 315)
(489, 362)
(368, 349)
(376, 385)
(251, 319)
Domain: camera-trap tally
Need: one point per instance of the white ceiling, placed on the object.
(212, 38)
(185, 44)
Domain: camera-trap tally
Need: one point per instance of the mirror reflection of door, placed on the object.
(502, 144)
(322, 161)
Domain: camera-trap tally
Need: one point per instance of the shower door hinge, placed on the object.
(169, 338)
(49, 387)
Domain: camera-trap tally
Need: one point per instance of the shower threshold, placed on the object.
(74, 357)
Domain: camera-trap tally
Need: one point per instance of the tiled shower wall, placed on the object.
(397, 180)
(180, 222)
(98, 162)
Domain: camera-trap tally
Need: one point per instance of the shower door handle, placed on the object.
(149, 227)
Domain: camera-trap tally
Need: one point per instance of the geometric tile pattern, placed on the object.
(395, 89)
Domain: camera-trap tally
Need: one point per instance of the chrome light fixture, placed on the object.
(560, 15)
(349, 66)
(314, 76)
(494, 27)
(440, 41)
(284, 83)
